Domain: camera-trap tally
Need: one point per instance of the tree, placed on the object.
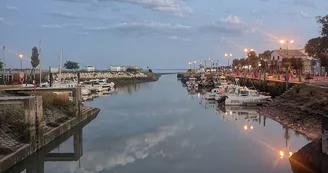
(131, 69)
(265, 55)
(253, 59)
(296, 63)
(1, 65)
(323, 20)
(243, 62)
(318, 47)
(286, 63)
(35, 61)
(71, 65)
(235, 62)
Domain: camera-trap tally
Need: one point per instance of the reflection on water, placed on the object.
(160, 127)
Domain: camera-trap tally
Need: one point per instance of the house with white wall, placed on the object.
(278, 55)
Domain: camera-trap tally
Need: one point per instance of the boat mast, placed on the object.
(60, 65)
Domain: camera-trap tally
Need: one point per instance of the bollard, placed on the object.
(300, 78)
(325, 134)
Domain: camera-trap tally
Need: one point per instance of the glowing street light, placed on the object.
(21, 56)
(228, 55)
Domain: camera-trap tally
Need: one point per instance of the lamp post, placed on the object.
(195, 65)
(228, 55)
(287, 43)
(247, 50)
(189, 64)
(212, 63)
(21, 56)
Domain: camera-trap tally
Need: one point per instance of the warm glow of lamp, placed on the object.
(290, 154)
(245, 50)
(252, 127)
(291, 41)
(245, 127)
(282, 41)
(225, 54)
(21, 56)
(282, 154)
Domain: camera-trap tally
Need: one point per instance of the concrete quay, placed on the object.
(36, 136)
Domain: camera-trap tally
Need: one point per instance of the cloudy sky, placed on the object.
(155, 33)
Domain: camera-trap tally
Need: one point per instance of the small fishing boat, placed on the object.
(245, 97)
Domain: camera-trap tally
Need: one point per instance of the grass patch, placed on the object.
(57, 99)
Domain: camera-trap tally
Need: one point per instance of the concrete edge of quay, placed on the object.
(10, 160)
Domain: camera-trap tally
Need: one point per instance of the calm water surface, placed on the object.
(160, 127)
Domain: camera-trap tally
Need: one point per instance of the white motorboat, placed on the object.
(227, 89)
(244, 96)
(192, 84)
(91, 86)
(103, 83)
(221, 80)
(211, 95)
(85, 91)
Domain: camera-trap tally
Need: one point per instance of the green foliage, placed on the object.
(323, 20)
(296, 63)
(312, 47)
(286, 62)
(71, 65)
(253, 59)
(235, 62)
(265, 55)
(35, 61)
(131, 69)
(243, 62)
(150, 71)
(1, 65)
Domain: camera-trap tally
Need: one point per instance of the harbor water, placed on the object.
(161, 127)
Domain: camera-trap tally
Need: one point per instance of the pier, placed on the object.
(35, 134)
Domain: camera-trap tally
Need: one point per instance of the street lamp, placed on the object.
(195, 65)
(228, 55)
(21, 56)
(287, 43)
(189, 65)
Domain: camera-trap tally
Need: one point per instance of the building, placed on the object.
(277, 56)
(89, 68)
(117, 68)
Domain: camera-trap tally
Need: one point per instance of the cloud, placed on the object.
(79, 1)
(52, 26)
(178, 38)
(224, 28)
(304, 3)
(304, 14)
(144, 28)
(82, 33)
(67, 15)
(10, 7)
(175, 7)
(72, 25)
(231, 19)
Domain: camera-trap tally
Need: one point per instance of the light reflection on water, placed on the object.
(160, 127)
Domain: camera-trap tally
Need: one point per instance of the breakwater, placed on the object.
(135, 80)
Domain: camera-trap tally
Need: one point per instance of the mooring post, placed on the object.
(77, 101)
(325, 134)
(78, 144)
(39, 122)
(29, 107)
